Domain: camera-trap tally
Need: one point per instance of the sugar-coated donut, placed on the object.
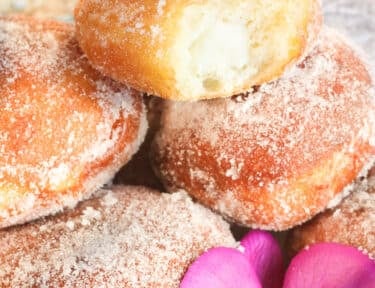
(190, 50)
(126, 237)
(275, 157)
(64, 129)
(352, 222)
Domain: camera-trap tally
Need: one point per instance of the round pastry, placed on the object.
(356, 19)
(139, 170)
(125, 237)
(190, 50)
(64, 129)
(276, 156)
(352, 222)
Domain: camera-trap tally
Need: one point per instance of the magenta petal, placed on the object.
(328, 265)
(221, 268)
(263, 251)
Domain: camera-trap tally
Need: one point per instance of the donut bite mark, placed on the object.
(125, 237)
(64, 129)
(352, 222)
(277, 156)
(191, 50)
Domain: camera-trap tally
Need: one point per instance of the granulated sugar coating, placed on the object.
(352, 222)
(64, 129)
(277, 156)
(126, 237)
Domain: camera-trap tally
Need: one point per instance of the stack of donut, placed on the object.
(65, 132)
(259, 114)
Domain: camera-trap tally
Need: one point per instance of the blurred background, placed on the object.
(60, 9)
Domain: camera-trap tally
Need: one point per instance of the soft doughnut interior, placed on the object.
(220, 46)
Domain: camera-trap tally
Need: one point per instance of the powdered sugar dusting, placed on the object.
(257, 145)
(58, 118)
(145, 239)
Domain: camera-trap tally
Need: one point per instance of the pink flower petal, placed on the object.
(264, 253)
(328, 265)
(221, 268)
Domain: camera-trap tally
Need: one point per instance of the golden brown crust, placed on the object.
(275, 157)
(124, 237)
(351, 223)
(124, 51)
(132, 43)
(65, 128)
